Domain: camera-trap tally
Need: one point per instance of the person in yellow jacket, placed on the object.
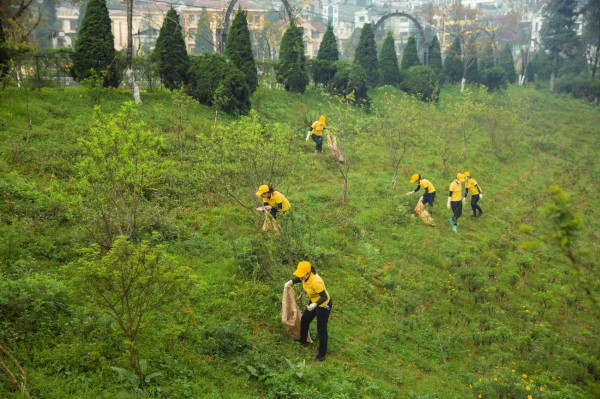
(476, 194)
(455, 200)
(429, 195)
(319, 305)
(316, 133)
(273, 201)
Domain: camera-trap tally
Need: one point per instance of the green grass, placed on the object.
(419, 312)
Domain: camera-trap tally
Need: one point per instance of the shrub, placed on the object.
(421, 81)
(494, 79)
(350, 83)
(581, 86)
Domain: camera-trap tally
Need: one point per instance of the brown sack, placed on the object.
(270, 223)
(334, 150)
(290, 314)
(423, 214)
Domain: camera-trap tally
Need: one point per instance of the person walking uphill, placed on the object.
(476, 194)
(429, 195)
(455, 198)
(316, 133)
(319, 305)
(273, 201)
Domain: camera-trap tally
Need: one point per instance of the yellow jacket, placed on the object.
(313, 286)
(455, 193)
(472, 185)
(275, 199)
(318, 126)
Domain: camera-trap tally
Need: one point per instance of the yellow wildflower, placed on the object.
(528, 388)
(524, 375)
(529, 397)
(495, 378)
(479, 396)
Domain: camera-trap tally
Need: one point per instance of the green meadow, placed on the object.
(507, 307)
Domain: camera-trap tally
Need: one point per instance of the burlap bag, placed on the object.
(334, 149)
(423, 214)
(270, 223)
(290, 314)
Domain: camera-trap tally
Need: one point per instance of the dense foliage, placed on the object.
(4, 54)
(410, 57)
(435, 59)
(453, 64)
(350, 83)
(389, 73)
(507, 63)
(170, 52)
(94, 50)
(366, 55)
(421, 82)
(239, 49)
(323, 68)
(291, 69)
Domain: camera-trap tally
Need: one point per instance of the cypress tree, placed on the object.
(435, 58)
(239, 49)
(366, 55)
(4, 56)
(95, 45)
(488, 60)
(389, 74)
(507, 63)
(410, 57)
(291, 69)
(323, 67)
(203, 42)
(170, 52)
(453, 64)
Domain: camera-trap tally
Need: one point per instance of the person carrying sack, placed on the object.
(429, 195)
(316, 133)
(319, 305)
(476, 194)
(455, 201)
(273, 201)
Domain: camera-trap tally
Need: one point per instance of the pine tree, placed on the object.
(453, 64)
(558, 31)
(410, 57)
(323, 68)
(47, 28)
(507, 63)
(435, 58)
(488, 60)
(389, 74)
(591, 34)
(4, 55)
(291, 69)
(170, 52)
(95, 45)
(366, 55)
(239, 49)
(204, 36)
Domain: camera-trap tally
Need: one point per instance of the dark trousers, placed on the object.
(474, 206)
(429, 198)
(456, 210)
(322, 316)
(318, 142)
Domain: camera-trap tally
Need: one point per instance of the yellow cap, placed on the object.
(302, 269)
(414, 178)
(460, 176)
(262, 189)
(467, 174)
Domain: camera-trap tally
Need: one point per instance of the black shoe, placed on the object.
(481, 213)
(319, 358)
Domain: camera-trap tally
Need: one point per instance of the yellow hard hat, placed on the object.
(467, 174)
(414, 178)
(460, 176)
(262, 189)
(322, 118)
(302, 269)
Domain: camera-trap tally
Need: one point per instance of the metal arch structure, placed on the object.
(222, 33)
(425, 40)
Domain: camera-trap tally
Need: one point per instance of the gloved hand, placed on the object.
(311, 307)
(288, 283)
(448, 204)
(410, 193)
(480, 196)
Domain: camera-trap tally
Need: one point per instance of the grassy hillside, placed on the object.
(507, 307)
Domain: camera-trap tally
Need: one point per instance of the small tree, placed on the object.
(170, 52)
(239, 49)
(203, 42)
(95, 47)
(435, 59)
(488, 58)
(591, 35)
(291, 69)
(366, 55)
(421, 82)
(130, 283)
(507, 64)
(453, 64)
(410, 57)
(350, 83)
(324, 68)
(4, 54)
(389, 74)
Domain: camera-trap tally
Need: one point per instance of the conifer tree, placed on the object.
(435, 58)
(366, 55)
(291, 69)
(95, 45)
(507, 63)
(389, 73)
(488, 60)
(203, 42)
(238, 49)
(410, 57)
(4, 56)
(170, 52)
(453, 64)
(323, 67)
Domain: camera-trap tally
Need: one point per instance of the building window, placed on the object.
(192, 18)
(330, 15)
(73, 25)
(361, 19)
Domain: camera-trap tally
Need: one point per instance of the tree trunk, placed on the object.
(135, 90)
(462, 84)
(553, 73)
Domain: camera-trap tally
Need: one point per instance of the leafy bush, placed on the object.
(493, 79)
(350, 83)
(421, 82)
(581, 86)
(214, 80)
(226, 340)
